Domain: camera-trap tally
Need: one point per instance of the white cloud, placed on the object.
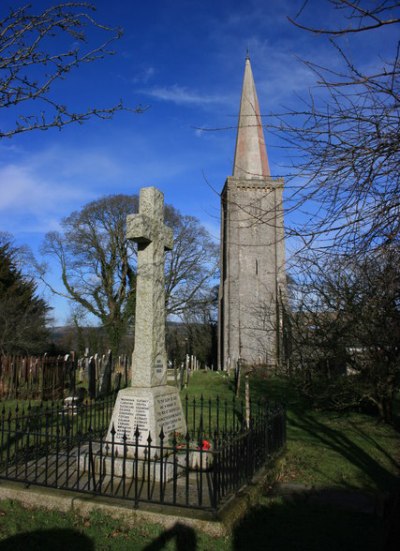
(38, 190)
(66, 163)
(183, 96)
(31, 202)
(145, 75)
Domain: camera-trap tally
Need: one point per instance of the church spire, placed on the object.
(251, 159)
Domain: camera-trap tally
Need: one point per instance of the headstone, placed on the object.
(105, 375)
(92, 377)
(148, 403)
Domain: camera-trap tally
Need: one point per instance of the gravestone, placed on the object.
(105, 375)
(91, 363)
(149, 403)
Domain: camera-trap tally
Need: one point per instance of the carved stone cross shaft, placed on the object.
(147, 229)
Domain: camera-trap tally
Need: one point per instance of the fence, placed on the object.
(47, 378)
(36, 377)
(66, 448)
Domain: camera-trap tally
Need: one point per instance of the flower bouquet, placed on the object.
(201, 458)
(178, 441)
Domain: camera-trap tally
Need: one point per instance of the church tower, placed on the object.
(253, 278)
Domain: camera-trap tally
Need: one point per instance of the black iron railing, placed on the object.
(66, 447)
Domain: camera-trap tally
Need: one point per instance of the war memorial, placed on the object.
(149, 444)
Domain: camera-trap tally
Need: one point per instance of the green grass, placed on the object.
(273, 524)
(204, 389)
(352, 450)
(329, 449)
(210, 385)
(302, 526)
(42, 530)
(324, 449)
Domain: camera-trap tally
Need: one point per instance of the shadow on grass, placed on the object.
(184, 536)
(48, 540)
(374, 443)
(300, 526)
(340, 443)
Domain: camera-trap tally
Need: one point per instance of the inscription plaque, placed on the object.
(158, 366)
(133, 412)
(169, 412)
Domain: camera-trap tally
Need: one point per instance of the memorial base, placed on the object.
(172, 466)
(128, 468)
(150, 409)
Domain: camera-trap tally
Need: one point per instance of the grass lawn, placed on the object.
(273, 524)
(23, 529)
(325, 450)
(352, 450)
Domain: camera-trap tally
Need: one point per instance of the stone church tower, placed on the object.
(253, 281)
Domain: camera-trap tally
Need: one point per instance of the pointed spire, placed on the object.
(251, 159)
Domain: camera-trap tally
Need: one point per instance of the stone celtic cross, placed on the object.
(147, 229)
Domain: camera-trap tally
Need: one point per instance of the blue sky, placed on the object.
(185, 60)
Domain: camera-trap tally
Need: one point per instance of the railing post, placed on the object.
(124, 439)
(136, 466)
(187, 438)
(215, 476)
(175, 468)
(113, 431)
(148, 459)
(162, 489)
(101, 468)
(27, 441)
(91, 463)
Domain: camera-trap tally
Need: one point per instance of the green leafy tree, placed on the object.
(23, 314)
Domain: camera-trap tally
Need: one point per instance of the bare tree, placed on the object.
(346, 330)
(345, 140)
(98, 263)
(37, 51)
(197, 331)
(190, 267)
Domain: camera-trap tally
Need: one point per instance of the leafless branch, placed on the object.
(36, 53)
